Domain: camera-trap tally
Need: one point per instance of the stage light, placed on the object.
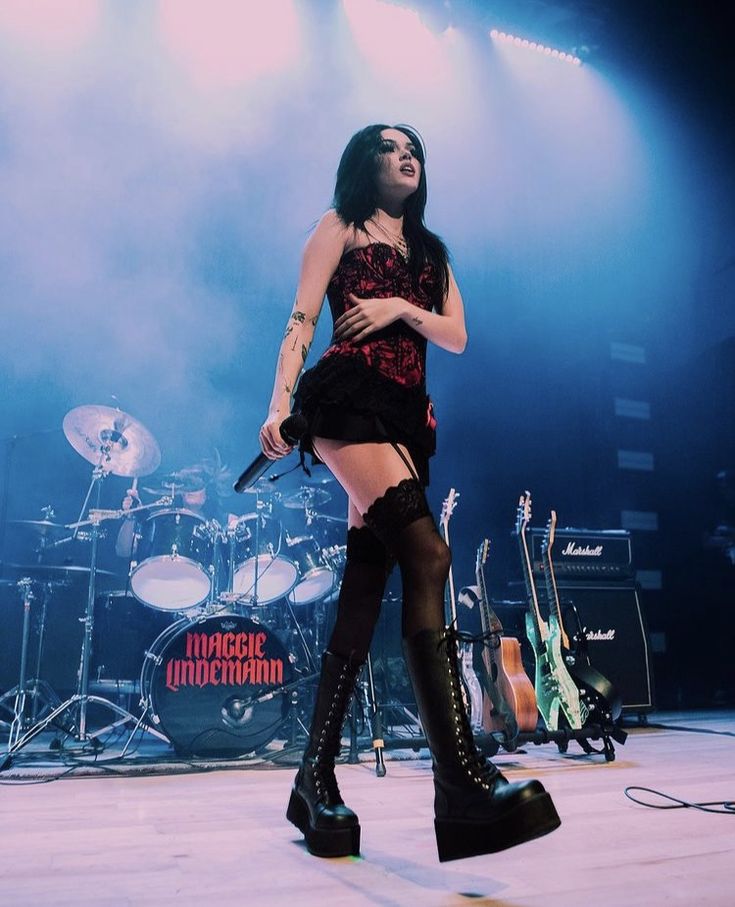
(524, 43)
(50, 27)
(393, 38)
(225, 42)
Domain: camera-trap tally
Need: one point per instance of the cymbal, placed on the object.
(125, 445)
(306, 497)
(320, 479)
(174, 484)
(42, 527)
(262, 486)
(52, 570)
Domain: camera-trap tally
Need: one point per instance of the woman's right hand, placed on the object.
(271, 442)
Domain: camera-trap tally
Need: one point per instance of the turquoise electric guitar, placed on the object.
(557, 694)
(597, 692)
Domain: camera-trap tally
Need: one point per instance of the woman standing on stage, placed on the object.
(390, 289)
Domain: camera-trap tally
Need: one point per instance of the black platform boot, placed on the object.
(476, 809)
(316, 807)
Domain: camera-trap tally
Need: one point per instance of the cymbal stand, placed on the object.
(311, 662)
(40, 686)
(367, 686)
(20, 692)
(81, 699)
(32, 688)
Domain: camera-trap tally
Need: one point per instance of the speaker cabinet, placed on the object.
(614, 624)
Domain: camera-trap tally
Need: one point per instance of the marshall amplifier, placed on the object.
(613, 622)
(585, 553)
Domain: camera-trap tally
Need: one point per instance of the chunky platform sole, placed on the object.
(323, 842)
(459, 838)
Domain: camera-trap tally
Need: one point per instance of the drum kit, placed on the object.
(220, 623)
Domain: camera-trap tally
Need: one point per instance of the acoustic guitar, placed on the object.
(471, 689)
(509, 705)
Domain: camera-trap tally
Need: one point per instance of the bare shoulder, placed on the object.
(331, 228)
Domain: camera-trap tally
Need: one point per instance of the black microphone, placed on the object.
(292, 430)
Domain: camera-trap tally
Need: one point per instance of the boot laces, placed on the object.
(477, 767)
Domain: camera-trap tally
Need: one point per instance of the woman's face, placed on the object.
(399, 170)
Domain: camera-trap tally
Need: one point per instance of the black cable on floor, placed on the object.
(691, 730)
(727, 806)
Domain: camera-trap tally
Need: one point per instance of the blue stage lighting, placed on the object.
(565, 57)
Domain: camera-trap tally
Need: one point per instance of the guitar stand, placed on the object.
(605, 732)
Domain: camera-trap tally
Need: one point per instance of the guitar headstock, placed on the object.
(523, 517)
(448, 505)
(549, 534)
(482, 553)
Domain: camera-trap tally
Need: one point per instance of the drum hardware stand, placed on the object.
(367, 686)
(33, 688)
(19, 693)
(292, 718)
(81, 698)
(311, 661)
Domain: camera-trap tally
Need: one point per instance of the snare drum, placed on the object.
(263, 536)
(173, 555)
(215, 686)
(315, 577)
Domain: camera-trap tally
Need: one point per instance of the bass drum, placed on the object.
(206, 683)
(123, 630)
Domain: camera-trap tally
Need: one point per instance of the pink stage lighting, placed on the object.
(224, 43)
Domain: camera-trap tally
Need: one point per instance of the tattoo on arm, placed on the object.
(417, 321)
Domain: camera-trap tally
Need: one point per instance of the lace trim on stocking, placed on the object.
(390, 514)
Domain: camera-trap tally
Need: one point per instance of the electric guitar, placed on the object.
(603, 700)
(510, 704)
(556, 693)
(471, 689)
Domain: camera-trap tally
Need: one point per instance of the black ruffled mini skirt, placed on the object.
(344, 399)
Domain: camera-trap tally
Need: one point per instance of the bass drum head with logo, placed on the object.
(206, 682)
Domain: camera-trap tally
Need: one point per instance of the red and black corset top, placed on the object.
(380, 271)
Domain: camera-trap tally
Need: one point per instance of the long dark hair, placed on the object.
(355, 200)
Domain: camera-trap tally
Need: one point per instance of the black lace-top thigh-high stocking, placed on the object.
(401, 519)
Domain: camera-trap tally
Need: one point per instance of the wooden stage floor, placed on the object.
(221, 838)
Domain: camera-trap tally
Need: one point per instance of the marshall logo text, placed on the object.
(573, 550)
(599, 635)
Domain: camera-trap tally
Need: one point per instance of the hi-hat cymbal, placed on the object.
(50, 570)
(262, 486)
(321, 479)
(42, 527)
(124, 445)
(171, 489)
(306, 497)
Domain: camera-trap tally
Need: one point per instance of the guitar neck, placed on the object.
(488, 618)
(531, 592)
(447, 510)
(552, 592)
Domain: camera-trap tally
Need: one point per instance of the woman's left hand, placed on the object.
(367, 316)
